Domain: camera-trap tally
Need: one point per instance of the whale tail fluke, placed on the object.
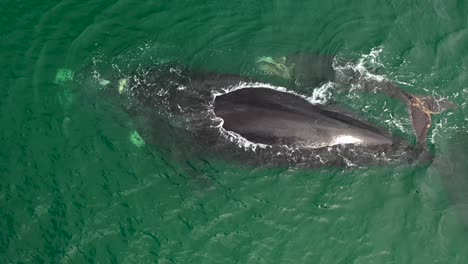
(421, 109)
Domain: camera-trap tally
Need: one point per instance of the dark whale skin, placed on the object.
(268, 116)
(194, 103)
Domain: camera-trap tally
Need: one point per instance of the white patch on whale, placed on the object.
(346, 139)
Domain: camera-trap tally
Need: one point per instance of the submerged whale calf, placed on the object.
(238, 118)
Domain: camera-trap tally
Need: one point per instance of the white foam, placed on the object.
(319, 95)
(371, 59)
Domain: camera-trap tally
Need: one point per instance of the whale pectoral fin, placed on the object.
(303, 68)
(311, 69)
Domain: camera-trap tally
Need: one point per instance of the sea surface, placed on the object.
(75, 188)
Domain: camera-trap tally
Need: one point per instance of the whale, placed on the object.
(251, 122)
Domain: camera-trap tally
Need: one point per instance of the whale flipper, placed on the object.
(310, 69)
(301, 68)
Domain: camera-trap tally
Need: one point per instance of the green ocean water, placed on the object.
(74, 189)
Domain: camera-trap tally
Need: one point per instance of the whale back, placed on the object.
(268, 116)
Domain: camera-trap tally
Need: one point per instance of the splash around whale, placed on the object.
(240, 119)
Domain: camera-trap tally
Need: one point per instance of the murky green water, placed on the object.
(74, 189)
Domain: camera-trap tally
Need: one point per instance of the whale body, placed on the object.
(240, 119)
